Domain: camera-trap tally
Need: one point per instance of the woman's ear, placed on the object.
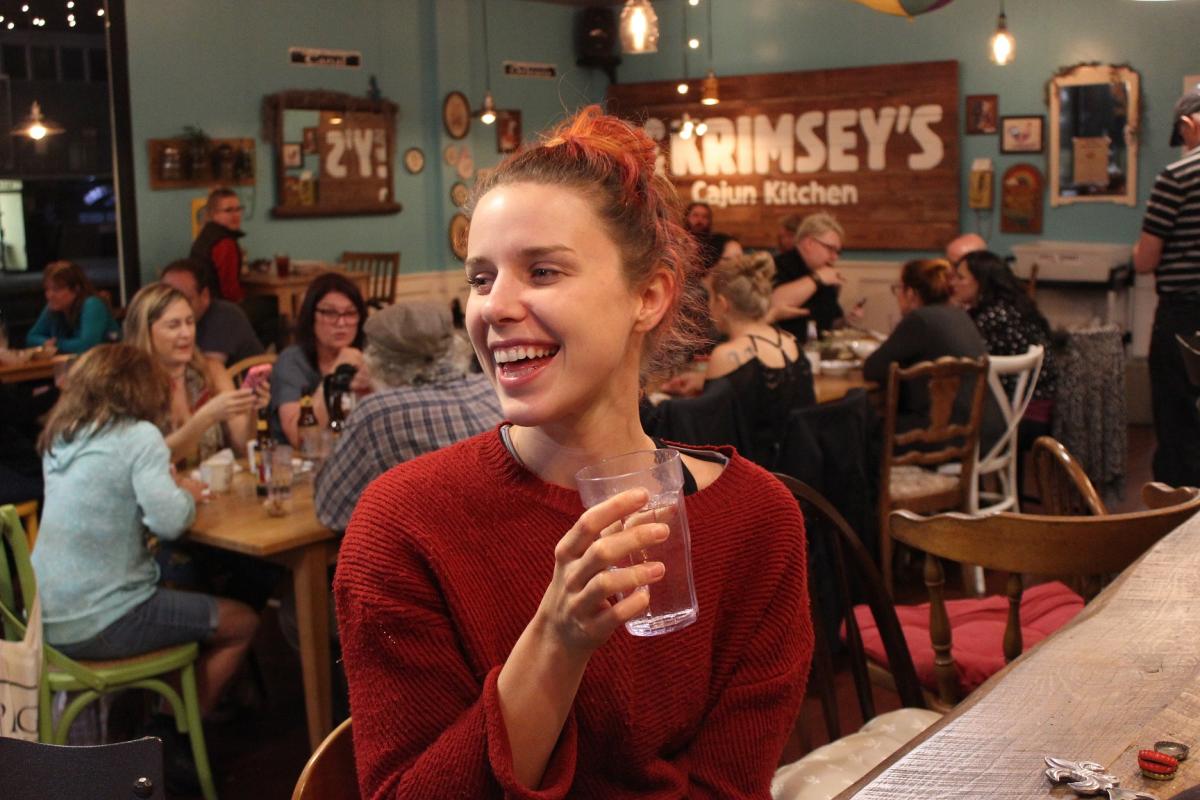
(655, 298)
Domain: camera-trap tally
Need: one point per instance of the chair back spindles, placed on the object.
(382, 270)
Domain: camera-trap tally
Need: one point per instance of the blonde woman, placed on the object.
(764, 362)
(205, 413)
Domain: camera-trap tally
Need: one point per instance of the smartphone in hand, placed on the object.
(256, 375)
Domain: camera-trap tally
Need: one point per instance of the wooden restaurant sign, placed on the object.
(875, 146)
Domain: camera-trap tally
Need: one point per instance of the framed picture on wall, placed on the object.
(508, 131)
(1021, 134)
(310, 141)
(292, 155)
(982, 112)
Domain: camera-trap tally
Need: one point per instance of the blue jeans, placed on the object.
(168, 618)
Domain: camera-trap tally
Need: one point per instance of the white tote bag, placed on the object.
(20, 671)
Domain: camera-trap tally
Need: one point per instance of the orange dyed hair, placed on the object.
(611, 162)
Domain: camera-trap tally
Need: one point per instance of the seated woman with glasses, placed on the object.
(329, 333)
(930, 327)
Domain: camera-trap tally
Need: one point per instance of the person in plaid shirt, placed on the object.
(423, 398)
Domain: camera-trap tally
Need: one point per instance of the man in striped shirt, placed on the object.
(1170, 248)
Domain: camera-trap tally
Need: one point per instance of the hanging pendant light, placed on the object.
(36, 126)
(639, 27)
(1002, 44)
(682, 86)
(487, 113)
(709, 90)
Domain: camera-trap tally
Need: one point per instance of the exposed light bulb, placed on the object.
(71, 23)
(10, 26)
(1002, 44)
(693, 43)
(25, 8)
(693, 2)
(99, 12)
(37, 131)
(70, 4)
(639, 27)
(701, 128)
(682, 88)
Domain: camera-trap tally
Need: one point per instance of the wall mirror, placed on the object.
(334, 153)
(1093, 135)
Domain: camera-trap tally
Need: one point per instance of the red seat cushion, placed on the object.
(977, 630)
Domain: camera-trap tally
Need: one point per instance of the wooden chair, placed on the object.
(237, 371)
(90, 680)
(904, 482)
(28, 512)
(1023, 544)
(1063, 486)
(33, 771)
(382, 269)
(838, 556)
(330, 773)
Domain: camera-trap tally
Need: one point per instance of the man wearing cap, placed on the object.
(1169, 246)
(424, 399)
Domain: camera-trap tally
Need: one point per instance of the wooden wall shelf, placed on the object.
(212, 170)
(285, 212)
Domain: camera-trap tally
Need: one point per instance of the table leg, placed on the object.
(312, 619)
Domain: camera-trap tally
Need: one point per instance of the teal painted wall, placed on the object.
(1157, 39)
(210, 63)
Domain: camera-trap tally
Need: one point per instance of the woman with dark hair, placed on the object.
(930, 327)
(329, 333)
(75, 318)
(1010, 324)
(480, 607)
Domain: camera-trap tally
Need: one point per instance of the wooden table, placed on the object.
(35, 369)
(829, 388)
(236, 521)
(1123, 675)
(289, 292)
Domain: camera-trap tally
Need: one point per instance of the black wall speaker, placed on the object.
(596, 39)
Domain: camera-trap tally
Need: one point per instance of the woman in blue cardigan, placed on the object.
(75, 319)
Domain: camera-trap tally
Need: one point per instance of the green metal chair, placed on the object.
(94, 679)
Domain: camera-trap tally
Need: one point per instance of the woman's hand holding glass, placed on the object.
(575, 610)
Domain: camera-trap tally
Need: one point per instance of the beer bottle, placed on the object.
(264, 447)
(308, 431)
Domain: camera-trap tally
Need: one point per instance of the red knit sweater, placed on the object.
(443, 565)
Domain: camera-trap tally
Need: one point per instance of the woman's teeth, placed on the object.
(507, 355)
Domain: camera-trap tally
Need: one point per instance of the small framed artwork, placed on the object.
(459, 194)
(1021, 134)
(292, 156)
(414, 160)
(983, 110)
(456, 115)
(508, 131)
(310, 141)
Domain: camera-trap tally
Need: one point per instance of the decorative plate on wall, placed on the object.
(459, 194)
(451, 154)
(458, 236)
(456, 114)
(414, 160)
(466, 165)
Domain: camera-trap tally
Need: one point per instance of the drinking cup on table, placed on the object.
(218, 475)
(660, 472)
(283, 265)
(279, 489)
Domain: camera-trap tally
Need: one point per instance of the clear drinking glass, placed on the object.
(660, 472)
(279, 489)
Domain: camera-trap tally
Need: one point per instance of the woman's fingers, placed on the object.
(595, 521)
(616, 549)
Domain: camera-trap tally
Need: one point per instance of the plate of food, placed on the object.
(836, 367)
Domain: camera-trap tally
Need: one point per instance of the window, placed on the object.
(71, 59)
(98, 66)
(15, 65)
(45, 65)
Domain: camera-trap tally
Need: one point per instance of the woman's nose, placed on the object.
(504, 300)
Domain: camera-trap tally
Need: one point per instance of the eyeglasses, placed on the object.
(833, 249)
(332, 315)
(231, 210)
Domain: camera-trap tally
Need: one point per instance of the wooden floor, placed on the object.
(258, 754)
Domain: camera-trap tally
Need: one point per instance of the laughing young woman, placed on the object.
(484, 650)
